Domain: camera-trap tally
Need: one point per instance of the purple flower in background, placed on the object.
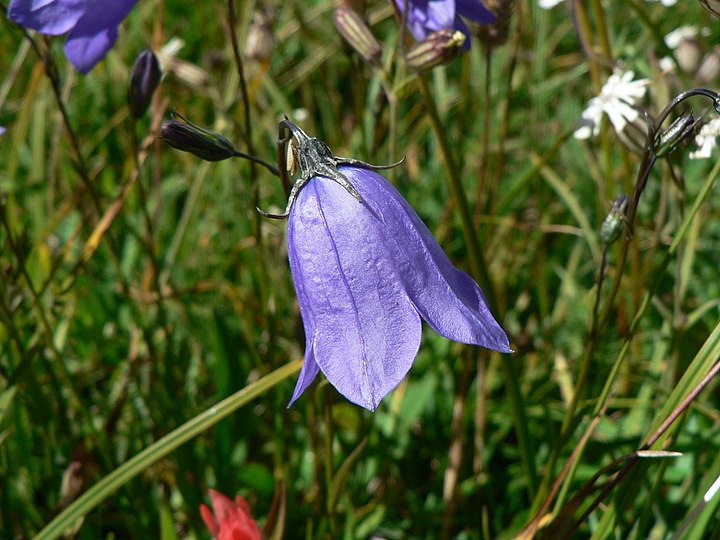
(366, 270)
(92, 24)
(427, 16)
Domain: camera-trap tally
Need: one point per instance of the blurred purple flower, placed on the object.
(2, 130)
(365, 274)
(427, 16)
(92, 24)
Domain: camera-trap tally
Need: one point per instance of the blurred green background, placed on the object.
(139, 286)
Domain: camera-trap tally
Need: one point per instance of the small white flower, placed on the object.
(617, 99)
(548, 4)
(684, 33)
(706, 140)
(666, 64)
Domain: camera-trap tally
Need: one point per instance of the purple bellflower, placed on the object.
(366, 270)
(427, 16)
(92, 24)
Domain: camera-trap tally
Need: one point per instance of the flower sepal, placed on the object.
(312, 157)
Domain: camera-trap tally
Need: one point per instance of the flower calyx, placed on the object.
(312, 157)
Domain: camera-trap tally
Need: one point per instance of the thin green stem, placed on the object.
(161, 448)
(480, 271)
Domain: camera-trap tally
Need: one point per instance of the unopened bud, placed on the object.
(144, 79)
(679, 131)
(186, 136)
(438, 48)
(352, 27)
(494, 34)
(613, 224)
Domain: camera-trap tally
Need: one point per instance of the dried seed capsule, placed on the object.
(353, 28)
(438, 48)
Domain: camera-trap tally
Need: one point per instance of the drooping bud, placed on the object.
(144, 79)
(357, 34)
(182, 134)
(681, 129)
(613, 223)
(438, 48)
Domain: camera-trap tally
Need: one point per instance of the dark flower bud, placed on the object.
(613, 224)
(679, 131)
(186, 136)
(438, 48)
(144, 79)
(352, 27)
(494, 34)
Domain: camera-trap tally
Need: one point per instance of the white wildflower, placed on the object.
(706, 140)
(548, 4)
(617, 99)
(684, 33)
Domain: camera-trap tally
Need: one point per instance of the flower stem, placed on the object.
(477, 260)
(480, 272)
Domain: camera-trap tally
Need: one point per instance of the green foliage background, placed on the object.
(111, 338)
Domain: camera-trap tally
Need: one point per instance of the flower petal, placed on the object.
(427, 16)
(447, 298)
(95, 33)
(52, 17)
(365, 332)
(310, 368)
(475, 11)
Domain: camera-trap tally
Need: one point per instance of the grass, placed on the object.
(149, 330)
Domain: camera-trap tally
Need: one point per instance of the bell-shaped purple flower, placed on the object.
(367, 270)
(92, 24)
(427, 16)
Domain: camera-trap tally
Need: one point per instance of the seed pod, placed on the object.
(438, 48)
(679, 131)
(357, 34)
(612, 225)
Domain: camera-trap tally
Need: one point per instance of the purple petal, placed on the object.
(475, 11)
(2, 130)
(95, 33)
(447, 298)
(308, 373)
(427, 16)
(52, 17)
(310, 368)
(365, 332)
(85, 50)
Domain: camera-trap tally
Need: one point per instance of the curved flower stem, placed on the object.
(599, 320)
(480, 271)
(256, 217)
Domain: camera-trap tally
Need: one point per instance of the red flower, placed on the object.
(229, 520)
